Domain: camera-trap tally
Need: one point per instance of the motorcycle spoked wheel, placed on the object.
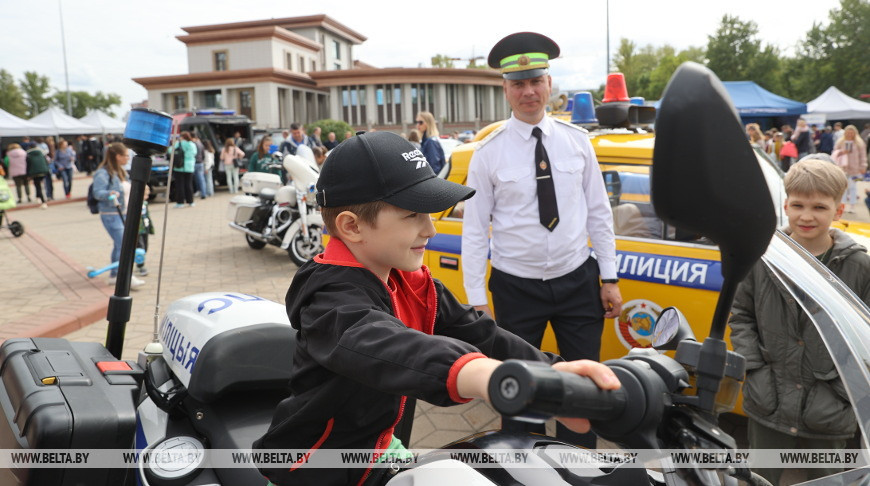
(254, 243)
(299, 251)
(16, 228)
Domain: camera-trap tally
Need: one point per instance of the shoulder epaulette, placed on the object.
(491, 136)
(569, 124)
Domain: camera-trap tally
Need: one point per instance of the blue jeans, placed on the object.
(115, 227)
(209, 182)
(67, 176)
(199, 178)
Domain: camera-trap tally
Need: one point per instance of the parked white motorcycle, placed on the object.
(282, 215)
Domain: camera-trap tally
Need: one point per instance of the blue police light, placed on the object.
(637, 100)
(227, 112)
(147, 131)
(273, 148)
(584, 109)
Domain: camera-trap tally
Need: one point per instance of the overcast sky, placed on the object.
(108, 42)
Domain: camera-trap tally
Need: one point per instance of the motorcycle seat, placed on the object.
(267, 194)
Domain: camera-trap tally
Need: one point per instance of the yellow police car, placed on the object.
(658, 265)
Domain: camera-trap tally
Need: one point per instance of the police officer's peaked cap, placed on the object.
(523, 55)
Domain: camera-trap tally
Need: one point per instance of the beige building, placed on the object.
(302, 69)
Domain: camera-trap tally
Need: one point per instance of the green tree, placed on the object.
(442, 61)
(329, 125)
(35, 89)
(735, 53)
(835, 54)
(11, 98)
(635, 65)
(82, 102)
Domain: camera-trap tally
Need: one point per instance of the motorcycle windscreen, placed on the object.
(842, 319)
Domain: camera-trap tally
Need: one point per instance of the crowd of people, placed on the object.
(847, 148)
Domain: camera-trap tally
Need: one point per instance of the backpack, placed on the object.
(93, 204)
(178, 162)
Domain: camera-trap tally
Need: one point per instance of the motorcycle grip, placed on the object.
(536, 390)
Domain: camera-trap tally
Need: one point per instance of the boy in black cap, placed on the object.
(373, 326)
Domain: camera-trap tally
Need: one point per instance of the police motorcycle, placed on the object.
(282, 215)
(221, 361)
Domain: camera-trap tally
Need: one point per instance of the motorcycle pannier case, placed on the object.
(241, 208)
(54, 396)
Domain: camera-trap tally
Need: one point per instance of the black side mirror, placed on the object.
(705, 178)
(613, 184)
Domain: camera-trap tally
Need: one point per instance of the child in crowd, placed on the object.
(792, 394)
(373, 326)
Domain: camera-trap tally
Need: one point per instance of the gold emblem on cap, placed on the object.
(523, 60)
(543, 165)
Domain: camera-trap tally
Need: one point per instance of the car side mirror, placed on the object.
(613, 184)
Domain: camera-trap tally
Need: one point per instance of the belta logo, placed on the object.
(636, 323)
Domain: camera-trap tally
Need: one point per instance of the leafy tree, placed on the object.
(82, 102)
(442, 61)
(329, 125)
(735, 53)
(35, 88)
(635, 65)
(11, 98)
(833, 54)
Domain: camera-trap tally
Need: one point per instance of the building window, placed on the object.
(313, 65)
(212, 99)
(220, 60)
(179, 102)
(288, 61)
(353, 104)
(301, 64)
(337, 67)
(337, 47)
(422, 98)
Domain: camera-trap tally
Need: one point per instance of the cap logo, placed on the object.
(417, 157)
(523, 60)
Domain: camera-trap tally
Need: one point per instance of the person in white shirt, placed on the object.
(542, 267)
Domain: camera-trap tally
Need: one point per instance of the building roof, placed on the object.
(346, 77)
(283, 76)
(323, 21)
(249, 33)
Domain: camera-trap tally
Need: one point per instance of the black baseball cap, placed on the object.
(523, 55)
(382, 166)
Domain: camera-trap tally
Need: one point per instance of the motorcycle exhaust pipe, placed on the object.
(251, 233)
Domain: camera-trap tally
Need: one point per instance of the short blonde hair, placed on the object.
(815, 176)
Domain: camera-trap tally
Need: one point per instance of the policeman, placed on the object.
(539, 186)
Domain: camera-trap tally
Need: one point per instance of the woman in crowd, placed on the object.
(260, 159)
(414, 137)
(64, 160)
(229, 155)
(756, 137)
(319, 156)
(802, 138)
(37, 169)
(18, 169)
(208, 167)
(430, 146)
(850, 153)
(109, 191)
(184, 184)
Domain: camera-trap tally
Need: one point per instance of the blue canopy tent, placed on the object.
(757, 105)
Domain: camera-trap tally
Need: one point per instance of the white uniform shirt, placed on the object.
(502, 170)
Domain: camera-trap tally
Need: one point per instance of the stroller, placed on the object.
(8, 202)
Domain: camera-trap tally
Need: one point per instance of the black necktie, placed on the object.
(547, 207)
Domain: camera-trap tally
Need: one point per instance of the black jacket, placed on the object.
(355, 362)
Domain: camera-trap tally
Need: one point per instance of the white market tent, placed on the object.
(62, 124)
(12, 126)
(836, 105)
(104, 122)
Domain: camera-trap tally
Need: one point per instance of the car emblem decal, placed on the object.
(636, 323)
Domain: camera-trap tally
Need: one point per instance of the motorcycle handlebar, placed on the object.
(523, 388)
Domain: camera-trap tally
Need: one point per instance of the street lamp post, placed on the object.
(65, 69)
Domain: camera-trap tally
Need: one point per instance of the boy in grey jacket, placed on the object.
(793, 394)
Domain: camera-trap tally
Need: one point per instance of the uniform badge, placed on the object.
(523, 60)
(543, 165)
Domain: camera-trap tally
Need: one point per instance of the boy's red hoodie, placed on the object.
(356, 362)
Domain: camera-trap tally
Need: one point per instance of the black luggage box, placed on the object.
(53, 396)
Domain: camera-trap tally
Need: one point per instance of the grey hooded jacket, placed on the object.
(791, 383)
